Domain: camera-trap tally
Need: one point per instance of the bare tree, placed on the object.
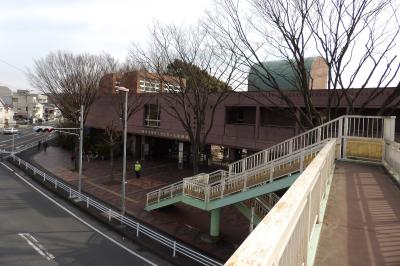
(112, 139)
(71, 80)
(357, 40)
(193, 71)
(277, 30)
(135, 102)
(289, 30)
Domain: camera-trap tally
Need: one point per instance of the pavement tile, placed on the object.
(361, 223)
(184, 222)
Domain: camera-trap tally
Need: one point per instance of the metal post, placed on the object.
(345, 134)
(340, 137)
(124, 160)
(80, 152)
(12, 143)
(252, 219)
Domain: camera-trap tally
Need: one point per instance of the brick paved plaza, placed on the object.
(183, 222)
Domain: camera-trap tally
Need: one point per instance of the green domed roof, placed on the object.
(283, 73)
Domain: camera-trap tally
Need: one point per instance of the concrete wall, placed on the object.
(252, 137)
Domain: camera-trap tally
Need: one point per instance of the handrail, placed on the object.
(285, 232)
(261, 207)
(244, 181)
(204, 186)
(112, 213)
(163, 193)
(391, 157)
(338, 127)
(282, 146)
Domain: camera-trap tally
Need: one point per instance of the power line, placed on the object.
(15, 67)
(14, 86)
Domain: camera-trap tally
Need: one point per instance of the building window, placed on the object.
(152, 115)
(241, 115)
(171, 88)
(277, 118)
(149, 86)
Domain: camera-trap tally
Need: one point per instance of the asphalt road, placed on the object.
(24, 137)
(35, 230)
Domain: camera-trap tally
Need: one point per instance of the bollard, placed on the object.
(174, 252)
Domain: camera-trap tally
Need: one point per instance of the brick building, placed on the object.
(245, 121)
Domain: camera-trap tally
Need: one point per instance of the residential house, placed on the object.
(6, 112)
(29, 105)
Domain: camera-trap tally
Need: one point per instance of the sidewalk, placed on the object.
(362, 220)
(181, 221)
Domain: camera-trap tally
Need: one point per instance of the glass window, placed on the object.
(171, 88)
(149, 86)
(152, 115)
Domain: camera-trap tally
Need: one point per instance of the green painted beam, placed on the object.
(247, 213)
(164, 203)
(181, 198)
(276, 185)
(279, 184)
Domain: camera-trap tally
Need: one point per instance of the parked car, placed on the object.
(10, 130)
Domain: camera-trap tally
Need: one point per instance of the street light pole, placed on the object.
(125, 137)
(13, 143)
(80, 152)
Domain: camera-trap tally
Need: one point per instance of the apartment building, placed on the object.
(28, 105)
(6, 112)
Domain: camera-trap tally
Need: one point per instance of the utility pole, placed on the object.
(13, 143)
(119, 88)
(124, 160)
(80, 152)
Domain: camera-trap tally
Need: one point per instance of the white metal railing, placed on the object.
(269, 199)
(283, 236)
(263, 204)
(218, 184)
(310, 137)
(206, 186)
(167, 192)
(344, 126)
(112, 213)
(252, 178)
(30, 145)
(392, 156)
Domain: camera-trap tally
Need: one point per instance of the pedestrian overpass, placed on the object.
(289, 233)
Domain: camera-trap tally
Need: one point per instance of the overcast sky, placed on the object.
(31, 29)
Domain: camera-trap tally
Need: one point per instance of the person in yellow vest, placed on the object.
(138, 168)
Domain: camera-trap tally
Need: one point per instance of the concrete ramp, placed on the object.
(362, 219)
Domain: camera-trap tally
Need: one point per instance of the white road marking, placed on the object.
(80, 219)
(15, 137)
(9, 168)
(33, 242)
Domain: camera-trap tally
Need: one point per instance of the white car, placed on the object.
(10, 130)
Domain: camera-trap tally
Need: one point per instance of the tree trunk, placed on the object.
(76, 151)
(196, 158)
(112, 162)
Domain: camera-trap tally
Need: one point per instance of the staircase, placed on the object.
(274, 168)
(261, 206)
